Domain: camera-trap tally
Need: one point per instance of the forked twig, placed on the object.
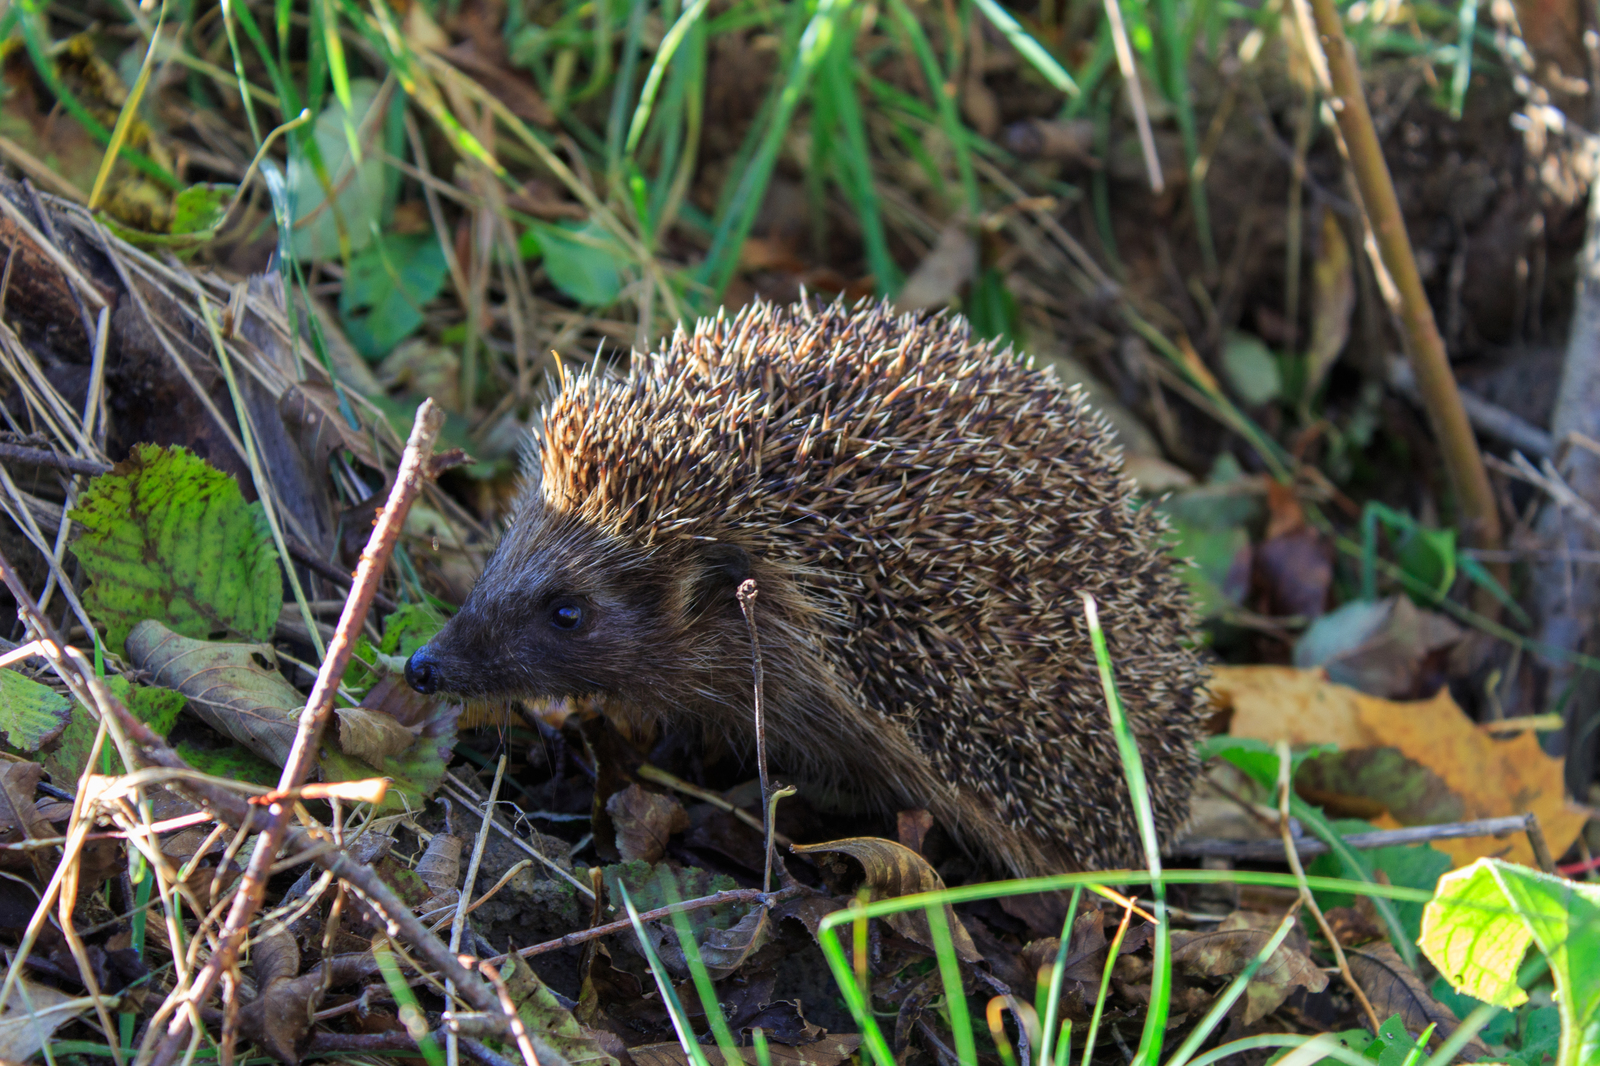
(1293, 855)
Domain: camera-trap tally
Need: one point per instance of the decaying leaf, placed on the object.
(32, 1014)
(31, 715)
(1491, 776)
(950, 264)
(416, 770)
(725, 950)
(644, 820)
(548, 1020)
(371, 735)
(1229, 948)
(1394, 988)
(894, 870)
(226, 685)
(1378, 647)
(1333, 300)
(168, 536)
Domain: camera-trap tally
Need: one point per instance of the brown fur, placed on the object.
(920, 512)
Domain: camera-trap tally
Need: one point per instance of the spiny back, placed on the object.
(942, 505)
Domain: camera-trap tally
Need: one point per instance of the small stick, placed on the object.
(1305, 889)
(716, 899)
(747, 604)
(302, 755)
(1541, 849)
(452, 1052)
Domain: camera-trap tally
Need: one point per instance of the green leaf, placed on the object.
(231, 762)
(409, 628)
(1479, 926)
(359, 190)
(168, 536)
(546, 1018)
(581, 261)
(156, 707)
(200, 208)
(393, 280)
(31, 715)
(1417, 866)
(1251, 369)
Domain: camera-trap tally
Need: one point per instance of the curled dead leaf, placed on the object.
(1230, 947)
(893, 870)
(644, 821)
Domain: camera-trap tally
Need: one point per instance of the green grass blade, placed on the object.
(406, 1000)
(1052, 1011)
(1139, 791)
(1230, 996)
(228, 7)
(702, 977)
(944, 950)
(339, 73)
(945, 102)
(33, 39)
(669, 997)
(130, 108)
(1329, 1050)
(856, 156)
(855, 997)
(658, 69)
(1467, 27)
(1029, 48)
(723, 257)
(1173, 44)
(622, 92)
(288, 99)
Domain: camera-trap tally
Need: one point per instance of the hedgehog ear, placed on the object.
(723, 568)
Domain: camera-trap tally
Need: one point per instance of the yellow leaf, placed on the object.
(1492, 777)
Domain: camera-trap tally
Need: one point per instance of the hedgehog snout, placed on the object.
(422, 672)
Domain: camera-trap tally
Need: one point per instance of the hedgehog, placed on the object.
(921, 512)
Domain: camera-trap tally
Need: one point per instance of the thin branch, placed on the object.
(1435, 380)
(301, 760)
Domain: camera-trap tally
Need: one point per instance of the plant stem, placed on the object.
(1480, 516)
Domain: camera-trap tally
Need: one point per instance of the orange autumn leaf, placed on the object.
(1493, 777)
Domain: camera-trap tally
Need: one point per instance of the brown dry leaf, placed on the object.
(1381, 648)
(1283, 703)
(950, 264)
(644, 822)
(32, 1013)
(227, 685)
(829, 1051)
(1229, 948)
(725, 950)
(1333, 299)
(371, 735)
(1394, 988)
(1493, 777)
(279, 1018)
(894, 870)
(21, 819)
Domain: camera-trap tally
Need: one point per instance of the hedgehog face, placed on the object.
(562, 610)
(553, 615)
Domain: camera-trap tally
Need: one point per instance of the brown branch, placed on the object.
(302, 755)
(1480, 516)
(622, 925)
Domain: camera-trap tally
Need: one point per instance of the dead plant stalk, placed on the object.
(302, 756)
(1480, 516)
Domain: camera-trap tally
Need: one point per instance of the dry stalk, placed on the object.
(297, 767)
(1293, 854)
(1425, 347)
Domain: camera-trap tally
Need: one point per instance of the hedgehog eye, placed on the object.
(566, 616)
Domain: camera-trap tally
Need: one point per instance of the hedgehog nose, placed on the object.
(420, 672)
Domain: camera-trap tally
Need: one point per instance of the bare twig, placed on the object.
(319, 708)
(1284, 764)
(462, 901)
(1435, 380)
(583, 936)
(747, 604)
(1306, 847)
